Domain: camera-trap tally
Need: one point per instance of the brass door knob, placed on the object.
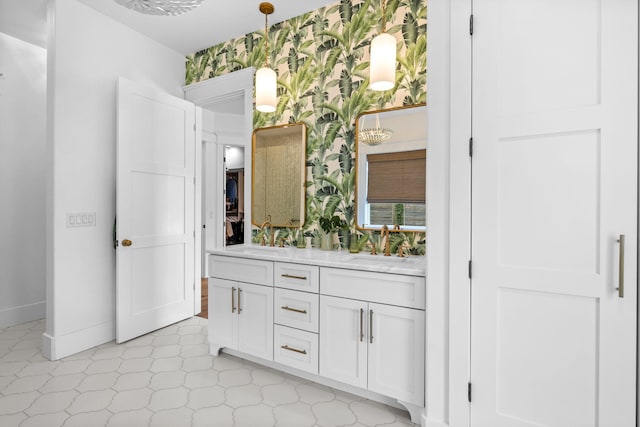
(126, 242)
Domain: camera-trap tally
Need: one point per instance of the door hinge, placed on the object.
(471, 25)
(469, 269)
(471, 147)
(469, 391)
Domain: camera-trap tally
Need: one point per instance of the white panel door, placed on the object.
(223, 313)
(554, 185)
(155, 210)
(255, 320)
(343, 340)
(396, 352)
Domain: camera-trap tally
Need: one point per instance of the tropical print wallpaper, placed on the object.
(322, 62)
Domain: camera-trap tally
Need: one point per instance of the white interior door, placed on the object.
(554, 185)
(155, 210)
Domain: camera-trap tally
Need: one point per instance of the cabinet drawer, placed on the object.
(385, 288)
(295, 348)
(298, 277)
(296, 309)
(241, 269)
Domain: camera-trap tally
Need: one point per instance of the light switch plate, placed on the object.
(81, 219)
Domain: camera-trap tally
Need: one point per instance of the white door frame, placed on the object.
(216, 90)
(459, 213)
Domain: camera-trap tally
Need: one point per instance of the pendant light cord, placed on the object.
(384, 21)
(266, 41)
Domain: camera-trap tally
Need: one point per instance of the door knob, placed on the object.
(126, 242)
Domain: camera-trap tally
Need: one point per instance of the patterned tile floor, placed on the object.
(166, 378)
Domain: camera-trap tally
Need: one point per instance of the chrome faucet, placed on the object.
(385, 232)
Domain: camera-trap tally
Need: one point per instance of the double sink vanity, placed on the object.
(355, 322)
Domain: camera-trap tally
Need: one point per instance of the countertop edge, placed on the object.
(336, 259)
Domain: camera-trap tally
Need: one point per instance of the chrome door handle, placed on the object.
(371, 326)
(620, 287)
(233, 300)
(361, 327)
(239, 304)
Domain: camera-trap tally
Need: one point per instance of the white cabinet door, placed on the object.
(554, 185)
(396, 352)
(343, 340)
(255, 320)
(223, 317)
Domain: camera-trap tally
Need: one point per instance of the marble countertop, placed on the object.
(411, 265)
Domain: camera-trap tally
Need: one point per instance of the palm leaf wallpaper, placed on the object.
(322, 62)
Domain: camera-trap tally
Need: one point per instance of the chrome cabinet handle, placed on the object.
(297, 310)
(233, 300)
(371, 326)
(361, 328)
(286, 347)
(239, 304)
(620, 287)
(289, 276)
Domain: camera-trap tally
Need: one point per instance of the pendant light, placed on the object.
(266, 80)
(382, 66)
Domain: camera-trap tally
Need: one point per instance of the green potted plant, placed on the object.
(329, 226)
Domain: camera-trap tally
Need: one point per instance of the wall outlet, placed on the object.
(82, 219)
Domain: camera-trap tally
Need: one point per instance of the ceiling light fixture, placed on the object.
(374, 136)
(160, 7)
(382, 66)
(266, 79)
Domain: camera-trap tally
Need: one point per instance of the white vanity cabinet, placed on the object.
(241, 313)
(372, 328)
(345, 326)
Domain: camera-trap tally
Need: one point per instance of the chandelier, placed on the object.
(161, 7)
(374, 136)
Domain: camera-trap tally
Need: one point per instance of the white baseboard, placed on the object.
(426, 422)
(22, 314)
(59, 346)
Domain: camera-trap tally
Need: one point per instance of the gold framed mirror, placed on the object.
(390, 180)
(278, 175)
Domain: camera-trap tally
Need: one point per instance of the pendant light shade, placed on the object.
(383, 62)
(266, 90)
(382, 65)
(266, 79)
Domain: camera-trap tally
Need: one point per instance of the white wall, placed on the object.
(234, 157)
(87, 52)
(22, 180)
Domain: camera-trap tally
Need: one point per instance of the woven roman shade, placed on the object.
(397, 177)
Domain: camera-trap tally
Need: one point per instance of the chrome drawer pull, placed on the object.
(290, 276)
(285, 307)
(286, 347)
